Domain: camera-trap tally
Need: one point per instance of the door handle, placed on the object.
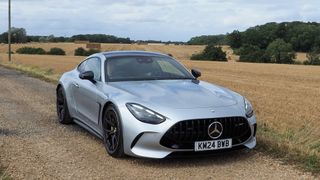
(76, 85)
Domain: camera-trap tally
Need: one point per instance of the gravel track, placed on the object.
(33, 145)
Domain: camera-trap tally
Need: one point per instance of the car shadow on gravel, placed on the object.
(8, 132)
(188, 161)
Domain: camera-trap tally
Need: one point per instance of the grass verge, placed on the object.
(275, 144)
(47, 75)
(3, 175)
(269, 140)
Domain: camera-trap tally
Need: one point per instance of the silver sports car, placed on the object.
(147, 104)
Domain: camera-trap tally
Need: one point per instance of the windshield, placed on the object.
(135, 68)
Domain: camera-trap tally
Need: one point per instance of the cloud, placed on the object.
(157, 19)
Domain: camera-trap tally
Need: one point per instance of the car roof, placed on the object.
(132, 53)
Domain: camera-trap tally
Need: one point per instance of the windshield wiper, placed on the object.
(181, 78)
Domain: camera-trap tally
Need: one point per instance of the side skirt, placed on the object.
(88, 128)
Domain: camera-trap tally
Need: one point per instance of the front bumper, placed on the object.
(144, 140)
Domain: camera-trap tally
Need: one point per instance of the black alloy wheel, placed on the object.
(112, 132)
(62, 108)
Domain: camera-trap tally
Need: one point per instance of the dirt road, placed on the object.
(33, 145)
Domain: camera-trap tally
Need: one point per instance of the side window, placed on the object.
(94, 65)
(81, 66)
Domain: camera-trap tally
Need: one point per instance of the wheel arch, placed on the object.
(108, 103)
(104, 108)
(69, 99)
(59, 86)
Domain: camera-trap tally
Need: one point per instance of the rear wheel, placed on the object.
(62, 107)
(112, 132)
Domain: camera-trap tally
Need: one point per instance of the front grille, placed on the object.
(183, 134)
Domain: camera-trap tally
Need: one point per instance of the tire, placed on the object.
(112, 132)
(62, 107)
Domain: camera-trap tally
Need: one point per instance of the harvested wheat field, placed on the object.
(286, 98)
(179, 51)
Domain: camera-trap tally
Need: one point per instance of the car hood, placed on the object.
(178, 94)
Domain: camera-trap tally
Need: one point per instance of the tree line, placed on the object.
(303, 36)
(208, 39)
(271, 42)
(19, 35)
(275, 42)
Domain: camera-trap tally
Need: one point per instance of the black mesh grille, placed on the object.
(183, 134)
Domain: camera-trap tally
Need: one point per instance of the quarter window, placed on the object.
(94, 65)
(81, 66)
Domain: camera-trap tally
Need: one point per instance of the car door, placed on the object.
(85, 93)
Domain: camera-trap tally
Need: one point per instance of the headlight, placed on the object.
(248, 108)
(144, 114)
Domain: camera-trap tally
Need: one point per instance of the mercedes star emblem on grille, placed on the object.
(215, 130)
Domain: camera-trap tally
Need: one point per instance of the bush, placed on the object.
(56, 51)
(30, 50)
(210, 53)
(82, 52)
(250, 53)
(313, 57)
(298, 62)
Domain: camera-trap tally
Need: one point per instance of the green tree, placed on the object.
(260, 36)
(234, 39)
(43, 39)
(50, 38)
(280, 52)
(18, 35)
(211, 52)
(281, 30)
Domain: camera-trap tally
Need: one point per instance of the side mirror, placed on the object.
(196, 73)
(87, 75)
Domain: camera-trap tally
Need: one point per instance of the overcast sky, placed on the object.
(152, 19)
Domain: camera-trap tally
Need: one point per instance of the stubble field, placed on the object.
(286, 98)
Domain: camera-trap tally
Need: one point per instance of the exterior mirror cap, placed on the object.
(196, 73)
(87, 75)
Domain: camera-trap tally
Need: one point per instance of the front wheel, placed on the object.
(112, 132)
(62, 107)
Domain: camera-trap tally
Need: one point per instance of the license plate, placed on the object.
(212, 145)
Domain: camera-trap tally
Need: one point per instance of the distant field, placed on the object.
(180, 52)
(286, 97)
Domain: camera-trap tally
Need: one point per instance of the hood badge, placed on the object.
(212, 110)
